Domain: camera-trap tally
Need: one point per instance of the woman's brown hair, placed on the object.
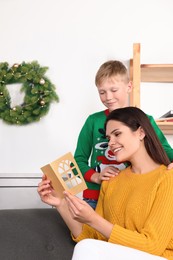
(134, 118)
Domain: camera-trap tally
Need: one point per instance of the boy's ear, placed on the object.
(130, 86)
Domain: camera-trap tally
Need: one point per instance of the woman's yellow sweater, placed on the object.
(141, 208)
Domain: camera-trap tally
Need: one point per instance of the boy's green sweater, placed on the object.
(92, 153)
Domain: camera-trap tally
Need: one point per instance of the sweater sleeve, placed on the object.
(158, 228)
(162, 138)
(88, 232)
(84, 148)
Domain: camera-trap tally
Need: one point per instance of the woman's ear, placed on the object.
(141, 133)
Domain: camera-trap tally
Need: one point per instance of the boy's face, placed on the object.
(114, 92)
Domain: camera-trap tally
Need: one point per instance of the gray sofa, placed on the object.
(34, 234)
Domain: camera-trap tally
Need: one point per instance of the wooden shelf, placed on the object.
(149, 73)
(166, 127)
(157, 73)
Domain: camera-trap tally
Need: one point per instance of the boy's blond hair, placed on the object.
(110, 69)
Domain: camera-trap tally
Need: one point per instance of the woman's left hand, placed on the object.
(79, 209)
(84, 213)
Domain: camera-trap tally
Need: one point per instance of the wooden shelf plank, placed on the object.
(157, 73)
(166, 127)
(149, 73)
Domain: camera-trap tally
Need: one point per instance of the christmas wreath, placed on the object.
(39, 92)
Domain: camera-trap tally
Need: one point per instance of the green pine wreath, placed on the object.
(38, 89)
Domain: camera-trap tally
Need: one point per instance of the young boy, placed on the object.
(113, 86)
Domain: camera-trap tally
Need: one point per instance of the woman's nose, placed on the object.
(110, 142)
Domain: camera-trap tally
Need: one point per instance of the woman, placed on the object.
(135, 208)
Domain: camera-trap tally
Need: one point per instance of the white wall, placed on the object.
(73, 38)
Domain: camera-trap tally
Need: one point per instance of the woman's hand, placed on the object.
(49, 196)
(83, 213)
(79, 209)
(47, 193)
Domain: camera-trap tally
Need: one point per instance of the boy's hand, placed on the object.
(170, 166)
(105, 175)
(108, 172)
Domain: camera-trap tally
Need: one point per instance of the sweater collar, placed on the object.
(107, 112)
